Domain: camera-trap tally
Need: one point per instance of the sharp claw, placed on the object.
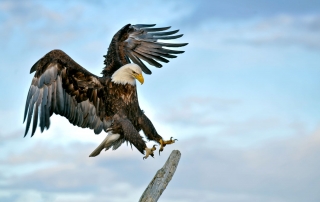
(161, 149)
(149, 151)
(163, 143)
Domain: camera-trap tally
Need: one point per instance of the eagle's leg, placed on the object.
(123, 126)
(151, 133)
(149, 151)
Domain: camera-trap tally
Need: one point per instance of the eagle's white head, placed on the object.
(128, 74)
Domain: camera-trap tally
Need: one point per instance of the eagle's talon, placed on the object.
(149, 151)
(163, 143)
(160, 150)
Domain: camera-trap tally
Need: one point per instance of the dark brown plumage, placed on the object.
(63, 87)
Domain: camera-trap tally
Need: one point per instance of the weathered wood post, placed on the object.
(162, 178)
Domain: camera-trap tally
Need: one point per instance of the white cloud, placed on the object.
(238, 123)
(282, 30)
(276, 31)
(288, 31)
(197, 111)
(278, 170)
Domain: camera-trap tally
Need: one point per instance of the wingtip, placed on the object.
(26, 131)
(143, 25)
(149, 73)
(92, 155)
(180, 44)
(145, 69)
(33, 68)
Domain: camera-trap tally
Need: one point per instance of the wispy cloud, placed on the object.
(285, 30)
(283, 170)
(229, 121)
(201, 13)
(277, 31)
(197, 112)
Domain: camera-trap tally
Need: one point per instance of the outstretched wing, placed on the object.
(140, 42)
(63, 87)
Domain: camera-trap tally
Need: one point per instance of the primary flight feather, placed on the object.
(109, 103)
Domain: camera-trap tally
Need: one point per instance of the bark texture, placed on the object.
(162, 178)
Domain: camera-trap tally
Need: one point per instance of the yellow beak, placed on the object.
(139, 77)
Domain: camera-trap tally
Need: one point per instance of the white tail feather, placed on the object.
(106, 143)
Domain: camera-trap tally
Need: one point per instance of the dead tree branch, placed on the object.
(162, 178)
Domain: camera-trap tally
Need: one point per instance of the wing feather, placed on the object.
(48, 107)
(31, 106)
(150, 55)
(63, 87)
(155, 52)
(136, 60)
(43, 107)
(60, 96)
(165, 33)
(168, 37)
(143, 43)
(36, 113)
(140, 42)
(155, 29)
(147, 59)
(68, 102)
(54, 97)
(29, 98)
(144, 25)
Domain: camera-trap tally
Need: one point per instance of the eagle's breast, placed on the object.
(122, 99)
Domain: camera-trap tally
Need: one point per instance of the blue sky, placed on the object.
(242, 100)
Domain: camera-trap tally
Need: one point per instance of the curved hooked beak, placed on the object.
(139, 77)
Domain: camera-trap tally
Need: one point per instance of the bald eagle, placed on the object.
(109, 103)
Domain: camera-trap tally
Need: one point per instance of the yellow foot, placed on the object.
(163, 143)
(149, 151)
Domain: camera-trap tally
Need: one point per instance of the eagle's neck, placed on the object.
(121, 76)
